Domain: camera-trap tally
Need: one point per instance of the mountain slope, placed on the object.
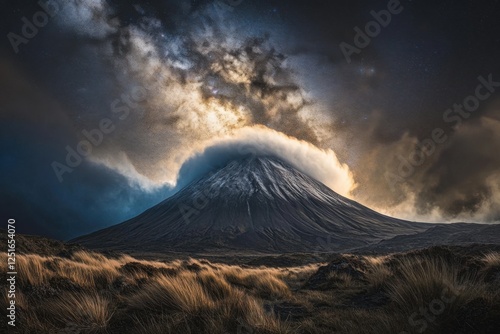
(254, 204)
(442, 234)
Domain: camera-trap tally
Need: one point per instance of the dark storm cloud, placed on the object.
(82, 66)
(465, 177)
(33, 126)
(199, 58)
(395, 94)
(42, 206)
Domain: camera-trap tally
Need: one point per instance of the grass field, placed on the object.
(431, 291)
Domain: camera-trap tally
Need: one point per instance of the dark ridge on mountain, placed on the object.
(257, 204)
(32, 244)
(442, 235)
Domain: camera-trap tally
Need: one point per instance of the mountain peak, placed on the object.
(257, 203)
(249, 176)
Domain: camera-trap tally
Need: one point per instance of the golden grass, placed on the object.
(214, 286)
(426, 279)
(342, 280)
(377, 272)
(491, 259)
(263, 282)
(162, 324)
(90, 293)
(181, 293)
(32, 270)
(88, 311)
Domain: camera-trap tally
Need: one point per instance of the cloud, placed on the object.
(218, 80)
(458, 182)
(208, 79)
(323, 165)
(87, 18)
(201, 82)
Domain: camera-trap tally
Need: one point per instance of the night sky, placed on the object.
(408, 123)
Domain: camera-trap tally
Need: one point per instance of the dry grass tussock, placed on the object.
(89, 311)
(88, 292)
(491, 259)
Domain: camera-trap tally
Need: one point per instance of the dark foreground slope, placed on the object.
(253, 204)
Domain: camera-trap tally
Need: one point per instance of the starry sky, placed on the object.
(407, 124)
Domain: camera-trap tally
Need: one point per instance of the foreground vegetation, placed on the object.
(437, 290)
